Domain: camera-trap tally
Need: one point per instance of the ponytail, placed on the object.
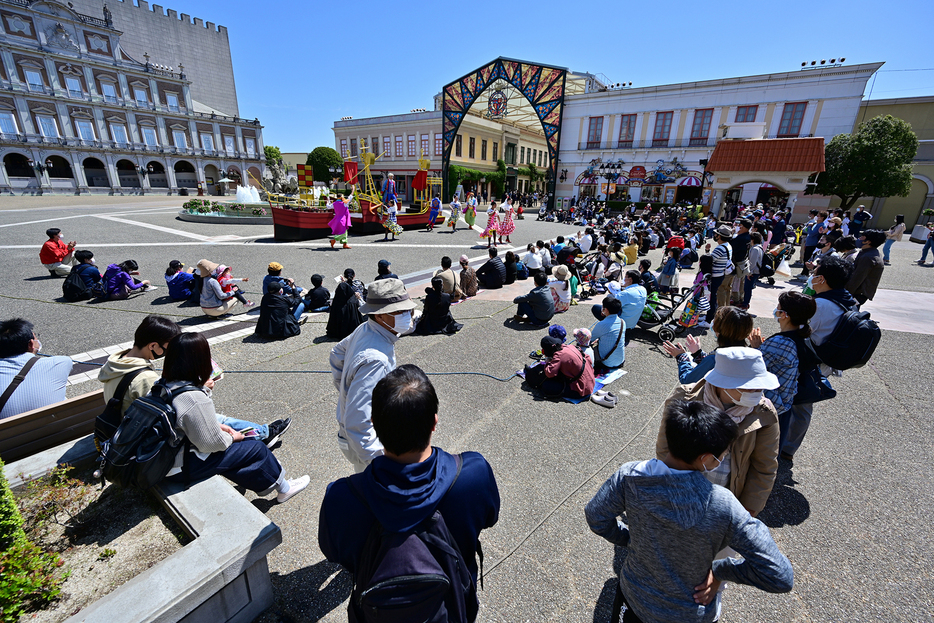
(800, 309)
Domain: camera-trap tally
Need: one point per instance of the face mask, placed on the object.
(38, 345)
(811, 282)
(403, 322)
(155, 356)
(776, 311)
(93, 261)
(719, 463)
(748, 399)
(61, 236)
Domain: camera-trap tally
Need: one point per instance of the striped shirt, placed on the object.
(721, 259)
(781, 359)
(43, 385)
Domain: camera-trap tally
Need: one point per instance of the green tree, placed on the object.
(874, 161)
(320, 159)
(273, 155)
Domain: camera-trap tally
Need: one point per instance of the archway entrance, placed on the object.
(129, 178)
(17, 165)
(157, 177)
(254, 176)
(95, 173)
(526, 93)
(185, 175)
(211, 175)
(58, 167)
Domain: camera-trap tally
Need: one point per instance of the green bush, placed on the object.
(27, 580)
(11, 522)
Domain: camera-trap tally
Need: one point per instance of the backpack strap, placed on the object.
(612, 350)
(125, 383)
(17, 380)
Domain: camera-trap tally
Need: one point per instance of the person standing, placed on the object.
(470, 212)
(928, 245)
(361, 360)
(389, 190)
(893, 235)
(434, 212)
(56, 255)
(755, 256)
(390, 220)
(722, 256)
(340, 223)
(734, 283)
(859, 221)
(868, 268)
(492, 225)
(407, 485)
(508, 224)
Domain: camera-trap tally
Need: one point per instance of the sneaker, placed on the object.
(603, 401)
(249, 304)
(296, 486)
(886, 262)
(921, 262)
(276, 430)
(150, 288)
(703, 324)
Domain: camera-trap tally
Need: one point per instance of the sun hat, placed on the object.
(724, 231)
(275, 266)
(206, 267)
(739, 367)
(583, 336)
(558, 331)
(386, 296)
(562, 273)
(219, 270)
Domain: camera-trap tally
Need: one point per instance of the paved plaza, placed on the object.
(854, 514)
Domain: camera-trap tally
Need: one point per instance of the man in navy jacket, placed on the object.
(410, 481)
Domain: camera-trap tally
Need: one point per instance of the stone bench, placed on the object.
(40, 429)
(220, 576)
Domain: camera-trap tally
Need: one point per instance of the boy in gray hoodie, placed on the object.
(676, 522)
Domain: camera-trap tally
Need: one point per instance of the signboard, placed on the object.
(636, 173)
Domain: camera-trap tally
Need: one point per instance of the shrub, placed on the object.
(11, 522)
(27, 580)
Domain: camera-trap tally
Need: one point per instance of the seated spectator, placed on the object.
(561, 288)
(583, 338)
(277, 319)
(649, 282)
(608, 335)
(567, 373)
(318, 299)
(406, 485)
(183, 284)
(149, 343)
(731, 325)
(214, 301)
(511, 270)
(532, 260)
(228, 282)
(42, 379)
(437, 315)
(492, 275)
(87, 268)
(671, 547)
(215, 448)
(631, 297)
(631, 251)
(383, 270)
(538, 306)
(449, 279)
(469, 281)
(55, 255)
(119, 283)
(345, 313)
(545, 253)
(274, 273)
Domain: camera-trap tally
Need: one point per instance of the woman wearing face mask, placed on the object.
(785, 353)
(736, 385)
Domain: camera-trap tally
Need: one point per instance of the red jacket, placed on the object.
(567, 364)
(53, 251)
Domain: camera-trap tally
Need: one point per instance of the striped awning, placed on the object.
(689, 181)
(767, 186)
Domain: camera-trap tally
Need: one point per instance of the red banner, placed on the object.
(350, 172)
(421, 180)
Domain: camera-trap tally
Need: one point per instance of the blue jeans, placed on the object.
(248, 463)
(749, 284)
(793, 425)
(924, 252)
(886, 247)
(299, 310)
(239, 425)
(526, 310)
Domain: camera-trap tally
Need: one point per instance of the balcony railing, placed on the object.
(646, 144)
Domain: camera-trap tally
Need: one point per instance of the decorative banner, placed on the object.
(637, 173)
(306, 178)
(421, 180)
(350, 172)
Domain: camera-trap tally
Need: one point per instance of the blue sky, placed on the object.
(300, 66)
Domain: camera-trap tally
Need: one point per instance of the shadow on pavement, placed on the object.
(306, 594)
(786, 506)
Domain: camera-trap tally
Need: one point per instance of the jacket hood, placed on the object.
(402, 496)
(677, 497)
(119, 364)
(840, 295)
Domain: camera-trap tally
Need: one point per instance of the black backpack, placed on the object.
(852, 341)
(105, 424)
(767, 268)
(413, 576)
(73, 288)
(143, 449)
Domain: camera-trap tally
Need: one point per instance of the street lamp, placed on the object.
(142, 170)
(40, 167)
(335, 171)
(564, 174)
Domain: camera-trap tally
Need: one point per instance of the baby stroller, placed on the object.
(664, 314)
(772, 260)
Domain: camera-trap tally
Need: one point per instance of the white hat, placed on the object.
(738, 367)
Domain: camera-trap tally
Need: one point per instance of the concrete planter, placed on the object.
(224, 219)
(221, 576)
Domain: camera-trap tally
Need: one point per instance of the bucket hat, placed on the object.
(739, 367)
(724, 231)
(562, 273)
(386, 296)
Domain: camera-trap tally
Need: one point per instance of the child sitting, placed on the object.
(182, 284)
(582, 336)
(318, 298)
(227, 283)
(119, 283)
(669, 572)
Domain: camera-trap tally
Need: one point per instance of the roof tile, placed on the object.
(773, 154)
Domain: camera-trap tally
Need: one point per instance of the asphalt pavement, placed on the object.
(853, 514)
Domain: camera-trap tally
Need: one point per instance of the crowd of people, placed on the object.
(734, 414)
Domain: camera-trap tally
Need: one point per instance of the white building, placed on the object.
(650, 141)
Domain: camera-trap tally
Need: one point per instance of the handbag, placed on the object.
(813, 387)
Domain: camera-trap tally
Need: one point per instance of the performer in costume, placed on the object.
(389, 190)
(455, 213)
(435, 210)
(470, 213)
(389, 221)
(491, 225)
(340, 223)
(507, 225)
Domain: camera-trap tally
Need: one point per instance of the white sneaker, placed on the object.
(603, 401)
(703, 324)
(150, 288)
(296, 486)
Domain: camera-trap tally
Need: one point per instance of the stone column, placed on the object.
(7, 58)
(77, 168)
(4, 180)
(170, 175)
(89, 79)
(53, 74)
(124, 88)
(154, 92)
(112, 174)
